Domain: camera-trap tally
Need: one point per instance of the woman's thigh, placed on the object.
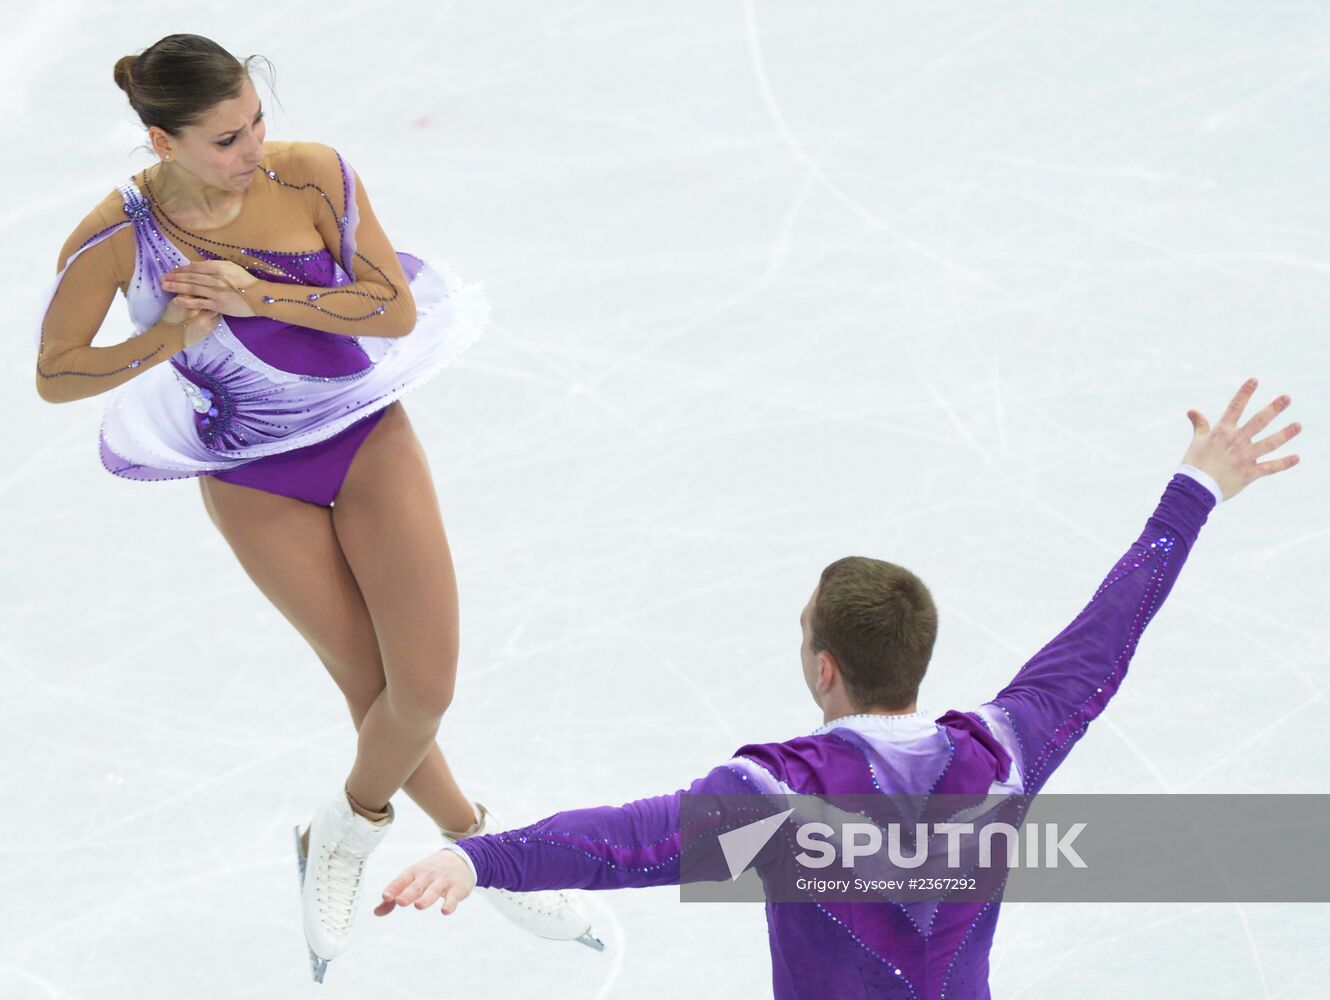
(291, 552)
(388, 524)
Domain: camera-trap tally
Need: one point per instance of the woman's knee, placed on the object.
(360, 699)
(422, 699)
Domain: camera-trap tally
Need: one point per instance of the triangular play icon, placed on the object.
(742, 845)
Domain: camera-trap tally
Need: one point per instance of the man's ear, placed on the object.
(827, 671)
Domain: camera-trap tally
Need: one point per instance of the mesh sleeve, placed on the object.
(377, 301)
(95, 262)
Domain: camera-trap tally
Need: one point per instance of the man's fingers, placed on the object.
(1239, 403)
(421, 891)
(1257, 423)
(1276, 439)
(451, 898)
(414, 891)
(432, 892)
(1198, 422)
(1278, 465)
(397, 885)
(394, 889)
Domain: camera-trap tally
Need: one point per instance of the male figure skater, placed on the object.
(868, 632)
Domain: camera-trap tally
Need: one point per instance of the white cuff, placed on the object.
(1205, 479)
(465, 857)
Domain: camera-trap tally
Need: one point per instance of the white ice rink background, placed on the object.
(773, 283)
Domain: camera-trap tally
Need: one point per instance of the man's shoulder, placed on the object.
(805, 763)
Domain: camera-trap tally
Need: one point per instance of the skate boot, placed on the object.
(317, 966)
(333, 867)
(547, 913)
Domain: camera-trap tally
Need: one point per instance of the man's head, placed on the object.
(868, 633)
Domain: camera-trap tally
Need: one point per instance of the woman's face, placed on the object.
(223, 148)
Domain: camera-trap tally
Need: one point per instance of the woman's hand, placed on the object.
(442, 874)
(215, 285)
(197, 323)
(1228, 454)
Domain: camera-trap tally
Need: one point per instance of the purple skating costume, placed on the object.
(265, 401)
(1009, 745)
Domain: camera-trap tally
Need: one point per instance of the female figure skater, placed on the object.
(275, 330)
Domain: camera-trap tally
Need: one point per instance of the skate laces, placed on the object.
(339, 878)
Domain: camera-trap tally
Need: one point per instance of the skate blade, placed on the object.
(317, 966)
(591, 941)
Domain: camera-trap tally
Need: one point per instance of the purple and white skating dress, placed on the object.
(265, 401)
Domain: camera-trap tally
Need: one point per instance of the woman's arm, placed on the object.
(376, 303)
(92, 267)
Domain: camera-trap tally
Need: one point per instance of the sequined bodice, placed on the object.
(208, 372)
(302, 267)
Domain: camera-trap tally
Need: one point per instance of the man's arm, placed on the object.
(1054, 697)
(638, 844)
(617, 847)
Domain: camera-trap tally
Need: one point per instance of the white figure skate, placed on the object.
(332, 876)
(547, 913)
(316, 965)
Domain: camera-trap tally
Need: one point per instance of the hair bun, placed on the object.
(124, 72)
(174, 81)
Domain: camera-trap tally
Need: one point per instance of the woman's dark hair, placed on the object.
(173, 82)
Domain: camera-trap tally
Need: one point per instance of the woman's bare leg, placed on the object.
(290, 550)
(387, 521)
(432, 786)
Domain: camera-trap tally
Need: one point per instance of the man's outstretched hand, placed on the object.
(441, 875)
(1227, 453)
